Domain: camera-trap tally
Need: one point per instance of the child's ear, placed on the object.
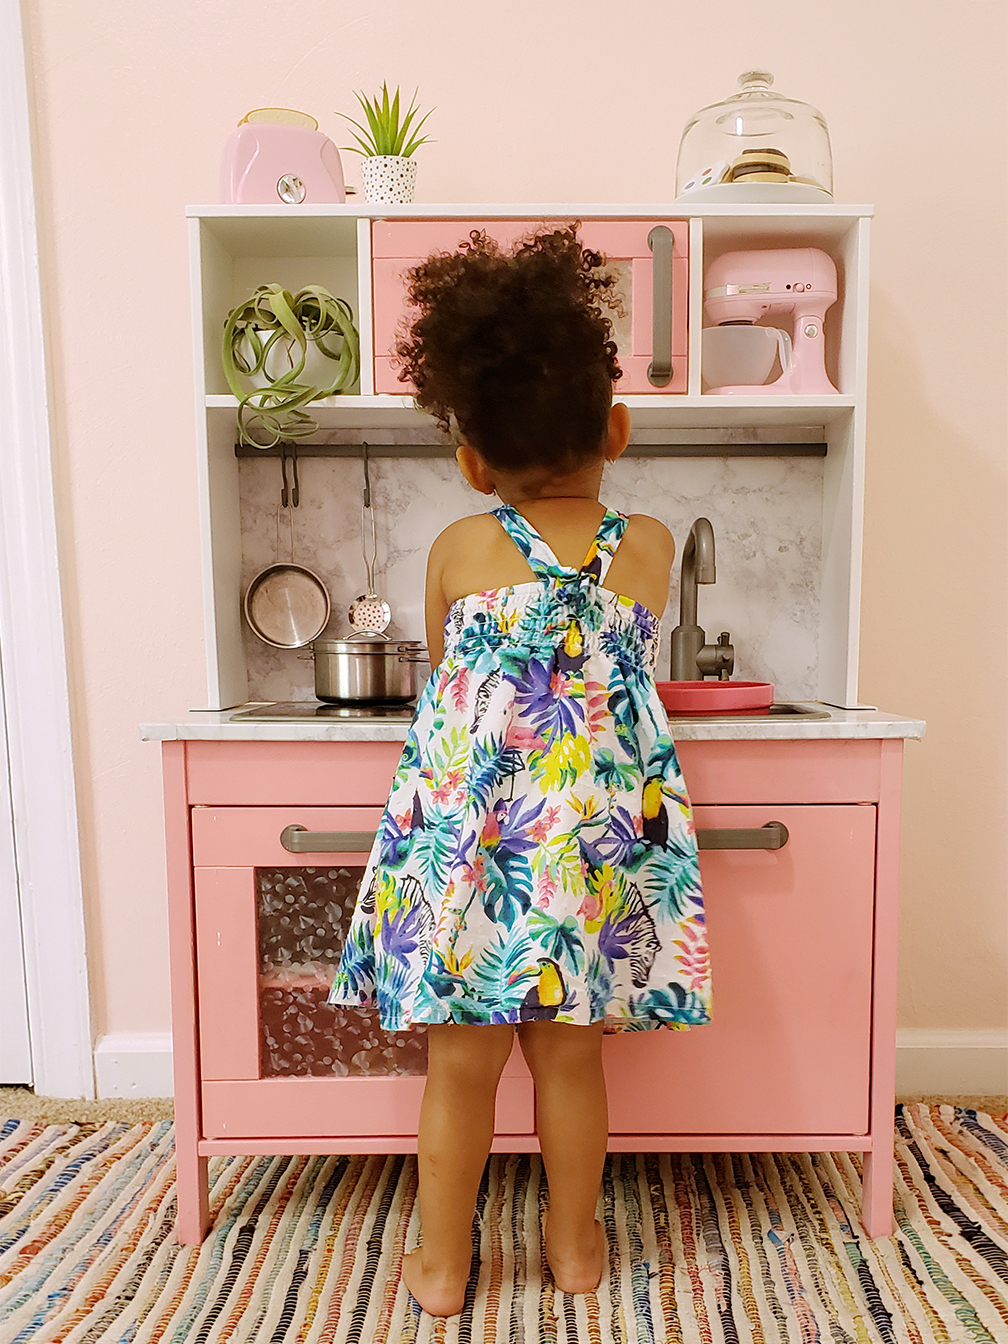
(619, 431)
(474, 469)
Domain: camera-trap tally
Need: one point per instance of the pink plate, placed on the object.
(714, 697)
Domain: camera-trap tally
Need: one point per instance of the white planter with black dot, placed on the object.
(388, 179)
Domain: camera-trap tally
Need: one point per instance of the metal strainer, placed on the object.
(369, 613)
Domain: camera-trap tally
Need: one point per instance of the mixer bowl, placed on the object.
(739, 355)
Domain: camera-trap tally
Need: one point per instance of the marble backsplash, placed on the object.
(766, 514)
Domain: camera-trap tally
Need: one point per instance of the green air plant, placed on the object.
(384, 133)
(275, 329)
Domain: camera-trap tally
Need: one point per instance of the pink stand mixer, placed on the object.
(742, 287)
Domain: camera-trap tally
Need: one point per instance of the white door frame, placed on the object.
(32, 650)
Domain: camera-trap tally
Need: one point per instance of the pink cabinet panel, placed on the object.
(788, 1048)
(227, 973)
(314, 1107)
(399, 244)
(847, 770)
(251, 836)
(306, 1107)
(230, 774)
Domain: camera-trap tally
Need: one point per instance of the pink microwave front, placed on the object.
(649, 257)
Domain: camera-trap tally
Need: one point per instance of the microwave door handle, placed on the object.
(660, 369)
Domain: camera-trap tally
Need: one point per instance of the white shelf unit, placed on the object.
(235, 248)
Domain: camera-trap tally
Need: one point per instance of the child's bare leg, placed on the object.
(464, 1065)
(572, 1119)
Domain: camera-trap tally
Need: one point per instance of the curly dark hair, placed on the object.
(516, 347)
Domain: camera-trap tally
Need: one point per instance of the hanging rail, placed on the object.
(438, 450)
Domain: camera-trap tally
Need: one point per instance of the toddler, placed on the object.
(535, 869)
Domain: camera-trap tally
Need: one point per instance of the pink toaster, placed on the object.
(277, 156)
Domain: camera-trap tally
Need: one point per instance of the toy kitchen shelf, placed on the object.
(360, 251)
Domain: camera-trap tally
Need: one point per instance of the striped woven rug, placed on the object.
(717, 1248)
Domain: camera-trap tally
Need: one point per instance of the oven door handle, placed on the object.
(660, 242)
(774, 835)
(298, 840)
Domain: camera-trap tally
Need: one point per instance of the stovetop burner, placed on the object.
(284, 711)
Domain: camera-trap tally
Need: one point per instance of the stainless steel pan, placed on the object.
(363, 671)
(287, 605)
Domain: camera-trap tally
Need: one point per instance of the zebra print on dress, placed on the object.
(727, 1248)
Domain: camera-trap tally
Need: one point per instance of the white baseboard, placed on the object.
(137, 1064)
(952, 1061)
(942, 1061)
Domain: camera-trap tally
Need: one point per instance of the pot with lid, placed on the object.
(366, 671)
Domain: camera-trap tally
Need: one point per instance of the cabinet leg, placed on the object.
(877, 1189)
(193, 1217)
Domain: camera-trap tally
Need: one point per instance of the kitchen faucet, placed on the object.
(692, 658)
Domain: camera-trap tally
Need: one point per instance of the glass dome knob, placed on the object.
(755, 81)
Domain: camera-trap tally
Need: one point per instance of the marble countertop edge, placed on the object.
(216, 726)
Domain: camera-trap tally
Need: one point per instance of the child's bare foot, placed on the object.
(576, 1268)
(438, 1293)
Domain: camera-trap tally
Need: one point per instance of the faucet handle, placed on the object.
(710, 660)
(724, 656)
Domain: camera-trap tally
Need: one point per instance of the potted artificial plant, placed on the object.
(292, 349)
(388, 172)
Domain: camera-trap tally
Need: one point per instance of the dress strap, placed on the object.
(603, 548)
(543, 562)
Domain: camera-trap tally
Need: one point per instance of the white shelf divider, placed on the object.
(647, 411)
(695, 310)
(365, 311)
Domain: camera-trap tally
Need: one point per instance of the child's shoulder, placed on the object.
(650, 535)
(475, 527)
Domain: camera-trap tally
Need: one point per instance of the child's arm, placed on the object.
(435, 604)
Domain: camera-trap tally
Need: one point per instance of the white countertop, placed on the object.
(216, 726)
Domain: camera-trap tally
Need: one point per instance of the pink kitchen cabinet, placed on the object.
(649, 257)
(799, 1056)
(790, 934)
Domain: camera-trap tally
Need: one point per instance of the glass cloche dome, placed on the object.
(756, 146)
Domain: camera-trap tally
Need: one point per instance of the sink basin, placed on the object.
(714, 697)
(781, 709)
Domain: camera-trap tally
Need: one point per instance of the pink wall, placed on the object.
(559, 103)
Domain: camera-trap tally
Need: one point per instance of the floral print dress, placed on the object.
(536, 857)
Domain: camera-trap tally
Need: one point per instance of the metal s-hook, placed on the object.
(293, 493)
(368, 512)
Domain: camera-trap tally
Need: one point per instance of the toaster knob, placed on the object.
(291, 189)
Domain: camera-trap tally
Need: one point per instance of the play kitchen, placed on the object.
(751, 289)
(741, 330)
